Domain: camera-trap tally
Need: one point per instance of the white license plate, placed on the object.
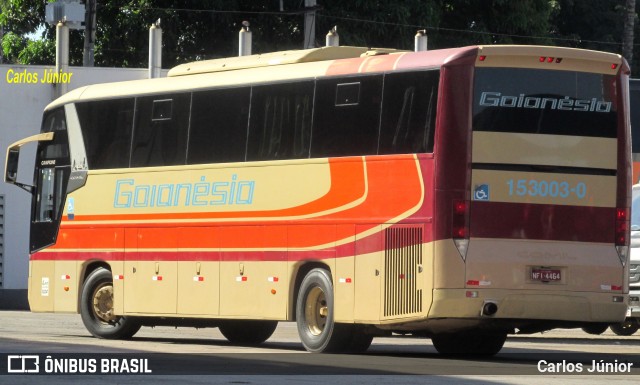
(546, 275)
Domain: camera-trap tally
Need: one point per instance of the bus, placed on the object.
(461, 195)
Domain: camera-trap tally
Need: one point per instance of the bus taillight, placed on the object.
(622, 233)
(460, 226)
(622, 227)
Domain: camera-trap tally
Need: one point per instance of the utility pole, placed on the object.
(89, 33)
(155, 50)
(62, 56)
(310, 24)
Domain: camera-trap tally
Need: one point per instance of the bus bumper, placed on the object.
(634, 304)
(529, 305)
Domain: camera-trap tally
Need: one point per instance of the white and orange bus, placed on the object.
(459, 194)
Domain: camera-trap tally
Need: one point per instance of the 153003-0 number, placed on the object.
(543, 188)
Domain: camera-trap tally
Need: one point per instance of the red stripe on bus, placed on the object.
(434, 59)
(188, 256)
(542, 222)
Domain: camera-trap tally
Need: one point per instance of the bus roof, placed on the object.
(276, 58)
(327, 61)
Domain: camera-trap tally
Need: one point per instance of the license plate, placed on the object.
(546, 275)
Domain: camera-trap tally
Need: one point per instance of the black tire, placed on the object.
(360, 341)
(595, 329)
(244, 332)
(627, 327)
(314, 315)
(473, 343)
(96, 309)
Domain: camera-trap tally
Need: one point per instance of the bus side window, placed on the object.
(280, 126)
(218, 130)
(347, 116)
(409, 112)
(106, 129)
(160, 131)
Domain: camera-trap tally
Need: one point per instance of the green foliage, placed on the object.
(591, 24)
(496, 22)
(20, 50)
(12, 45)
(38, 52)
(21, 16)
(377, 23)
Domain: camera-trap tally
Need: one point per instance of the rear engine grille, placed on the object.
(402, 258)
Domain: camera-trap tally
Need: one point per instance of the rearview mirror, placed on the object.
(13, 159)
(11, 171)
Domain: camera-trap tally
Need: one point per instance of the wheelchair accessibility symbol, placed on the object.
(481, 193)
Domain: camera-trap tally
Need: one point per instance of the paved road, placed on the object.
(282, 359)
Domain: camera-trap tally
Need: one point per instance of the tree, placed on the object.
(18, 18)
(496, 22)
(203, 29)
(380, 23)
(192, 30)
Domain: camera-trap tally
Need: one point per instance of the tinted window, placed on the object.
(280, 125)
(544, 102)
(219, 121)
(58, 148)
(347, 115)
(51, 167)
(106, 130)
(409, 112)
(161, 127)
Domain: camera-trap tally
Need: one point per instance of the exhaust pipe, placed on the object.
(489, 308)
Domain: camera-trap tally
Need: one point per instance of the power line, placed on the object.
(467, 31)
(212, 11)
(302, 11)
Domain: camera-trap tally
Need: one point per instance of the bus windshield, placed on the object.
(537, 101)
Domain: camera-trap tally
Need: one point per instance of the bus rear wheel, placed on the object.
(96, 309)
(314, 315)
(476, 343)
(627, 327)
(244, 332)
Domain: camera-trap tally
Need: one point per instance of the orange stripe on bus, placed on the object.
(378, 207)
(347, 185)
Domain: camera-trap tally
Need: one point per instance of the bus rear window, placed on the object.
(544, 102)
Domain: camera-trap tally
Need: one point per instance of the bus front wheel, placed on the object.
(479, 343)
(595, 329)
(314, 315)
(96, 308)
